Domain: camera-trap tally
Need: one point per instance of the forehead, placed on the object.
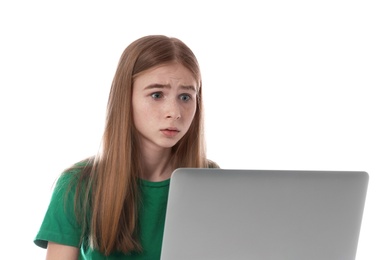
(167, 74)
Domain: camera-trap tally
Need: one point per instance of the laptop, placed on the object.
(224, 214)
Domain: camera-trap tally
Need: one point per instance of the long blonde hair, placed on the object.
(109, 210)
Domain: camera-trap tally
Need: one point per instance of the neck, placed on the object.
(156, 165)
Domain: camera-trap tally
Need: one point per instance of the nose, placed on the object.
(172, 110)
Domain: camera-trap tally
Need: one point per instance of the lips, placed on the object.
(170, 132)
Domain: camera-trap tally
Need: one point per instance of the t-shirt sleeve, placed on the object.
(212, 164)
(60, 224)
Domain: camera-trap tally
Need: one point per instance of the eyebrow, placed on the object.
(161, 86)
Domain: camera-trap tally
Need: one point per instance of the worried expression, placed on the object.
(164, 104)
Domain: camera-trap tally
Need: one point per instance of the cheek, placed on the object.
(145, 114)
(191, 113)
(139, 114)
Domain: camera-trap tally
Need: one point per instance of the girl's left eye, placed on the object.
(185, 97)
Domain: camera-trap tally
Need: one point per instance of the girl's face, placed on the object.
(164, 105)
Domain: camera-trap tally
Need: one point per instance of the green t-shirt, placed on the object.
(60, 225)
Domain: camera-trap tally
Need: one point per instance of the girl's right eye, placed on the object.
(157, 95)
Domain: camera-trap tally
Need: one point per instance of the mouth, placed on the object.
(170, 131)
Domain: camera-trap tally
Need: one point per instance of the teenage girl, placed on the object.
(113, 205)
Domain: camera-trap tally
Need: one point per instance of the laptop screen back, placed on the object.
(260, 214)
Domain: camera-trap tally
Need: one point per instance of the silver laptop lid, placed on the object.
(261, 214)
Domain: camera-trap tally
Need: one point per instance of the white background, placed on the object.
(287, 85)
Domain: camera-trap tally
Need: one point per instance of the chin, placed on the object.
(168, 145)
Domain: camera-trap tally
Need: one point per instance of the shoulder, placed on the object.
(71, 177)
(77, 170)
(79, 166)
(212, 164)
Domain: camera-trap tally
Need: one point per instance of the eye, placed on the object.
(185, 97)
(156, 95)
